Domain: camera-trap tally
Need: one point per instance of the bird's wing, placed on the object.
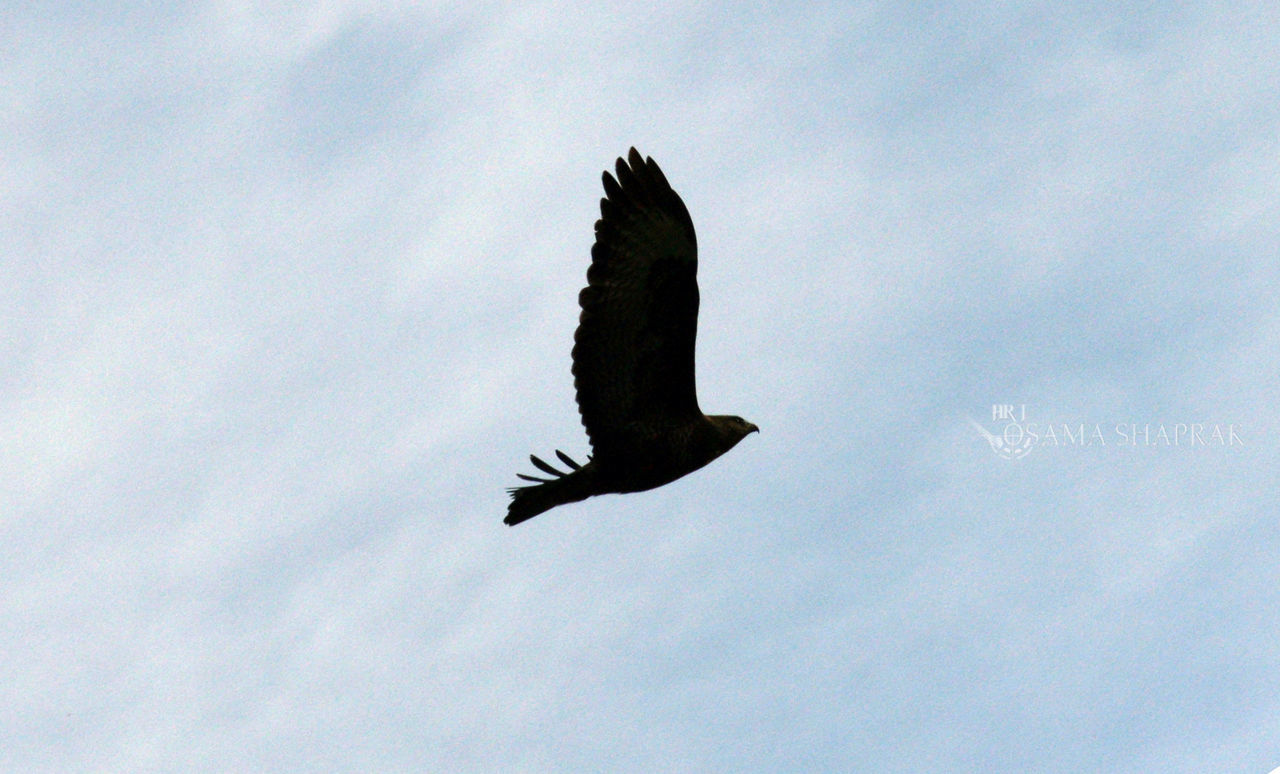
(633, 351)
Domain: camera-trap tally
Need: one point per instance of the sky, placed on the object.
(288, 293)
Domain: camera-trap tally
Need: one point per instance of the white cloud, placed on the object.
(289, 294)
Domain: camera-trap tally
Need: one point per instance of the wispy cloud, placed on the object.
(288, 295)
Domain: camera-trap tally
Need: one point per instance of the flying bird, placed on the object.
(633, 352)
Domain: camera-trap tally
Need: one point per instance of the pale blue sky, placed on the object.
(289, 293)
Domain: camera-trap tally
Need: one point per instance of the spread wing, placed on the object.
(633, 351)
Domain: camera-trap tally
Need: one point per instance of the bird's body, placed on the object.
(633, 354)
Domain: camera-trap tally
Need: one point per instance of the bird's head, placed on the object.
(732, 429)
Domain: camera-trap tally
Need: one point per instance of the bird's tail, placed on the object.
(566, 487)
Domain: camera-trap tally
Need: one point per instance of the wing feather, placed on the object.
(633, 355)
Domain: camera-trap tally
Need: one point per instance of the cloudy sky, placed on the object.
(288, 293)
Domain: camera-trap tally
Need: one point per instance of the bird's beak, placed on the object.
(754, 429)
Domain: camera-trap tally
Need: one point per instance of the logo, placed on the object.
(1013, 441)
(1011, 436)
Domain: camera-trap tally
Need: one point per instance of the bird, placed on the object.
(633, 353)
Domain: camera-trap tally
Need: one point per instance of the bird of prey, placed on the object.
(633, 352)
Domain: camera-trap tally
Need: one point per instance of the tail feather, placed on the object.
(529, 501)
(566, 459)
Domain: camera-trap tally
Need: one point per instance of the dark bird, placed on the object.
(633, 352)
